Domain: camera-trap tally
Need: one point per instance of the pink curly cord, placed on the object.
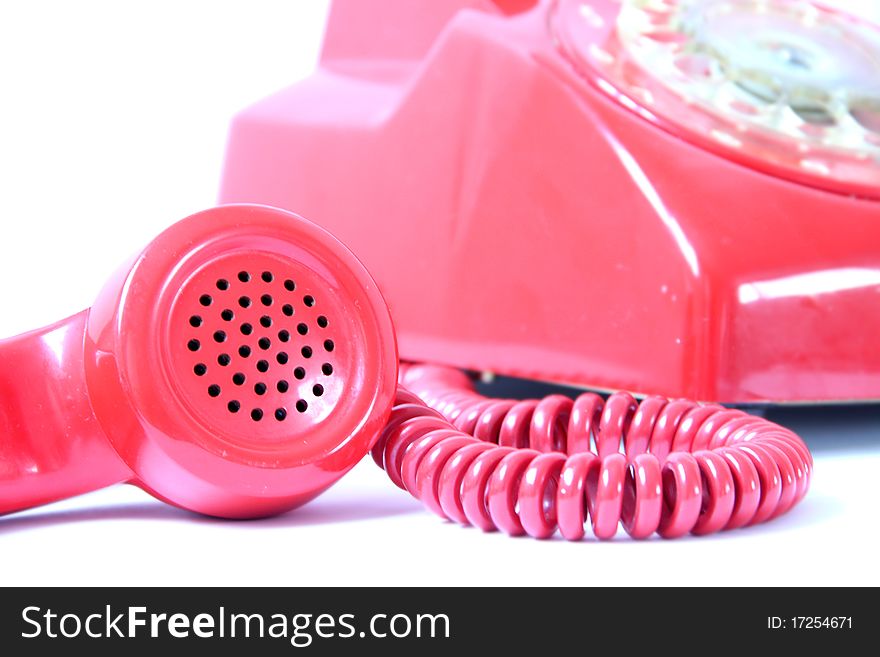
(535, 466)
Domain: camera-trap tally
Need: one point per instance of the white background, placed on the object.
(113, 120)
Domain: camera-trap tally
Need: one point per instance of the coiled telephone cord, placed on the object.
(536, 466)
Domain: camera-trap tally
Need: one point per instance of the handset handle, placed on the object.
(51, 444)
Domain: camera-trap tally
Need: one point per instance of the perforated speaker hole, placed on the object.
(252, 361)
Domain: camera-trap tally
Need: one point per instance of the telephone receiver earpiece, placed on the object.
(237, 366)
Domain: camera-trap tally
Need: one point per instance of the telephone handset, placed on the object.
(245, 361)
(237, 366)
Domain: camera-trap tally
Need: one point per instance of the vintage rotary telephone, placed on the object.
(679, 197)
(664, 196)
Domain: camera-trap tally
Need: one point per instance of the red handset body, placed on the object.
(535, 217)
(238, 366)
(53, 446)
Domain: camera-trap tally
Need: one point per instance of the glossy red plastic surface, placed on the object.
(51, 444)
(528, 220)
(532, 467)
(238, 366)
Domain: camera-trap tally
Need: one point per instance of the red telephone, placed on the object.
(245, 360)
(676, 197)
